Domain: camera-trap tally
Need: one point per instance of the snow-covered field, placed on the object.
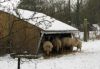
(89, 58)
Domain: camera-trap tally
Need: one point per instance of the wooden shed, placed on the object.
(28, 31)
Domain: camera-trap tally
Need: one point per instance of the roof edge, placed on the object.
(58, 32)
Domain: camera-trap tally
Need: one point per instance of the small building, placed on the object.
(29, 29)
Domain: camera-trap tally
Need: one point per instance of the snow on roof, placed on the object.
(43, 21)
(38, 19)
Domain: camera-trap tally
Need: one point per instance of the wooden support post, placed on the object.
(86, 31)
(39, 43)
(18, 62)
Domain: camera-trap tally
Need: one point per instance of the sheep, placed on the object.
(73, 42)
(57, 44)
(47, 47)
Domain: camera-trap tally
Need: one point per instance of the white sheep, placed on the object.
(47, 47)
(74, 42)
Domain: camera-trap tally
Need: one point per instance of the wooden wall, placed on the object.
(23, 36)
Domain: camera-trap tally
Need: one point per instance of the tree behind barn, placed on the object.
(54, 8)
(59, 9)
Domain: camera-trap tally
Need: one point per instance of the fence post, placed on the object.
(86, 31)
(18, 62)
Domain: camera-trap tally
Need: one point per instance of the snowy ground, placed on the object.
(89, 58)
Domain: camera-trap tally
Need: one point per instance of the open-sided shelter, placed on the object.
(29, 29)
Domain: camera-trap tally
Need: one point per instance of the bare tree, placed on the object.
(12, 10)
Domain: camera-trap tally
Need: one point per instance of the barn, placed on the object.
(28, 30)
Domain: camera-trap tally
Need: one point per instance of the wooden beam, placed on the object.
(60, 32)
(39, 43)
